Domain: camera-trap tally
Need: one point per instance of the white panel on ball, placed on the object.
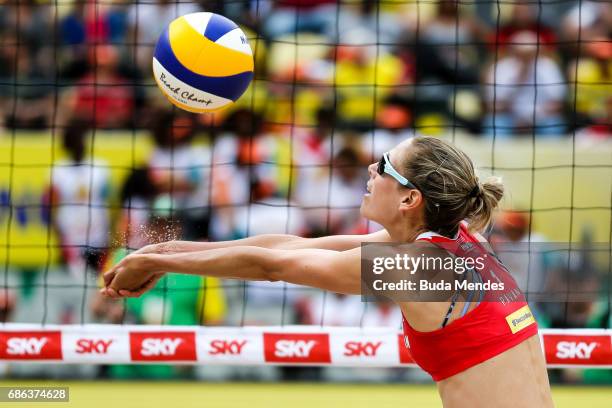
(185, 94)
(236, 40)
(198, 21)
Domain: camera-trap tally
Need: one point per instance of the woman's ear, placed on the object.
(411, 199)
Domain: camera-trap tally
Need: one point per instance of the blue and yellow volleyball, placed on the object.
(203, 62)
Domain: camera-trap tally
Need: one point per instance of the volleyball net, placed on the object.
(94, 163)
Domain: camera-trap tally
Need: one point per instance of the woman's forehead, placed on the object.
(399, 152)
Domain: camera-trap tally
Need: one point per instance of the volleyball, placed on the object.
(203, 62)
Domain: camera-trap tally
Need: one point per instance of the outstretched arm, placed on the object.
(337, 271)
(271, 241)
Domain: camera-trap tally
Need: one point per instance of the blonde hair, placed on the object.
(446, 178)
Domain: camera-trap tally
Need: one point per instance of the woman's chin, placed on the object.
(363, 210)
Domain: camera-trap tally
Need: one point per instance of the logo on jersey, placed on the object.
(33, 345)
(163, 346)
(296, 348)
(577, 349)
(520, 319)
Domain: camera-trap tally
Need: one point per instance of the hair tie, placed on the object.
(475, 191)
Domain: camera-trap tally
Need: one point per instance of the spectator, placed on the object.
(347, 187)
(147, 20)
(27, 66)
(525, 17)
(104, 96)
(181, 168)
(383, 19)
(312, 146)
(586, 21)
(26, 96)
(382, 313)
(449, 51)
(88, 23)
(591, 77)
(312, 153)
(79, 198)
(31, 21)
(94, 23)
(524, 91)
(334, 209)
(364, 76)
(522, 250)
(7, 304)
(447, 54)
(331, 309)
(602, 126)
(290, 16)
(266, 214)
(246, 179)
(244, 158)
(137, 195)
(393, 126)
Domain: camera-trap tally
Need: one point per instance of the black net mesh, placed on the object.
(95, 161)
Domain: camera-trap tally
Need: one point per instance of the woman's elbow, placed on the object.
(266, 264)
(273, 276)
(282, 266)
(274, 272)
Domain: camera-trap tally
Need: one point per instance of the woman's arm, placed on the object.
(337, 271)
(271, 241)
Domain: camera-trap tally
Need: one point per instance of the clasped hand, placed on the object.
(132, 276)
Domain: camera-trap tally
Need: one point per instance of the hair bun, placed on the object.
(475, 191)
(490, 193)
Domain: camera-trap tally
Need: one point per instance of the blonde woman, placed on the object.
(481, 354)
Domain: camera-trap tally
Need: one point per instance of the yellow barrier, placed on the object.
(566, 184)
(25, 163)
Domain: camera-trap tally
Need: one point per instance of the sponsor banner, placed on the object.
(31, 345)
(363, 349)
(312, 345)
(230, 348)
(100, 347)
(300, 348)
(573, 349)
(162, 346)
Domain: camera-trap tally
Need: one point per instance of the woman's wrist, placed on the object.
(168, 247)
(156, 263)
(150, 249)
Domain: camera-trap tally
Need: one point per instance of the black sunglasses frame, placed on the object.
(385, 167)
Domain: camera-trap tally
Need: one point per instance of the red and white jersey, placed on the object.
(501, 320)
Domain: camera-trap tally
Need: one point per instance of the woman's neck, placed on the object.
(405, 233)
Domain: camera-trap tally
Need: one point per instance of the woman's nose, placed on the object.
(372, 170)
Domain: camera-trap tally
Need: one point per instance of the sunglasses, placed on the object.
(384, 166)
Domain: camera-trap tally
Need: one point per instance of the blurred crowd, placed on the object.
(336, 86)
(493, 68)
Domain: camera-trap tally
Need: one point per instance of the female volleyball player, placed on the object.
(481, 354)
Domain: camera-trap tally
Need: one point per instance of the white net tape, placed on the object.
(250, 345)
